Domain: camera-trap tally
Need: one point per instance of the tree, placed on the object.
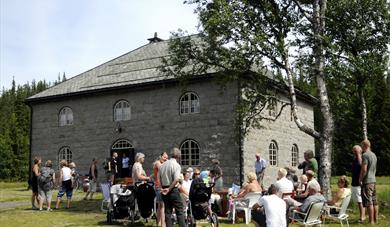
(245, 41)
(359, 32)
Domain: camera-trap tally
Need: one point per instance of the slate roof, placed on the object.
(135, 67)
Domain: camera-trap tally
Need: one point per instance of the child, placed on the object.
(302, 184)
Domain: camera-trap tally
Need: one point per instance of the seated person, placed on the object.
(302, 186)
(284, 184)
(270, 210)
(341, 193)
(310, 177)
(251, 186)
(314, 189)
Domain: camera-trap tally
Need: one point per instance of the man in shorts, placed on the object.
(368, 182)
(356, 189)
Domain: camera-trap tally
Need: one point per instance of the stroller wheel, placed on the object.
(214, 220)
(110, 217)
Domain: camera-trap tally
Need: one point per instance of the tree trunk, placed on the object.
(364, 112)
(326, 140)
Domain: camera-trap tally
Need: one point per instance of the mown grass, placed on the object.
(87, 213)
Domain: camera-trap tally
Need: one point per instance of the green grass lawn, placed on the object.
(87, 213)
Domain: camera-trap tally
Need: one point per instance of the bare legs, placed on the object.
(362, 211)
(59, 201)
(161, 214)
(373, 213)
(35, 199)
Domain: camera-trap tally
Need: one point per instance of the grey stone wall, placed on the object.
(155, 125)
(285, 132)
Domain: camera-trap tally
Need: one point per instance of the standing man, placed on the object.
(93, 174)
(113, 168)
(169, 175)
(310, 163)
(367, 181)
(356, 189)
(260, 165)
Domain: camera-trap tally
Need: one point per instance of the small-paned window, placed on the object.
(294, 155)
(122, 144)
(189, 153)
(273, 153)
(122, 111)
(65, 117)
(189, 103)
(65, 154)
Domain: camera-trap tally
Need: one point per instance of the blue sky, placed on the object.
(40, 39)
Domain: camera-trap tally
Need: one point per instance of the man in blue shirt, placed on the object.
(260, 165)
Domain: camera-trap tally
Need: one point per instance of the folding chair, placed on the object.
(312, 217)
(245, 204)
(342, 215)
(106, 196)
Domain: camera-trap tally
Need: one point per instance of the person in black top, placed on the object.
(93, 174)
(113, 167)
(356, 189)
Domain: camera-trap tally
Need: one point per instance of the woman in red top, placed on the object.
(160, 210)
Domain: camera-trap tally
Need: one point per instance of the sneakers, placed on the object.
(49, 209)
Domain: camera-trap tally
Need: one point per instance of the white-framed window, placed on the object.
(65, 154)
(190, 153)
(189, 103)
(294, 155)
(122, 144)
(122, 111)
(272, 107)
(65, 117)
(273, 153)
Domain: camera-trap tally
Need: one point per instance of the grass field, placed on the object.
(87, 213)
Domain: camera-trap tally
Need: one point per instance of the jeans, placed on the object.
(174, 200)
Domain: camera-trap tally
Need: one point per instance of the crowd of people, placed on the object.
(173, 186)
(287, 195)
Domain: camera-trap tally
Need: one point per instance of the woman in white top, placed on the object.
(66, 184)
(138, 172)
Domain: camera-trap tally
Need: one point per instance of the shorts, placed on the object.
(65, 188)
(357, 194)
(92, 186)
(158, 195)
(45, 195)
(369, 195)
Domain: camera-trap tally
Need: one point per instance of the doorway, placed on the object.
(125, 150)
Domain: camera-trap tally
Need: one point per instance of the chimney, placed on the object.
(155, 39)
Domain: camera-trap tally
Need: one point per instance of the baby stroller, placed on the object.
(122, 203)
(145, 198)
(198, 204)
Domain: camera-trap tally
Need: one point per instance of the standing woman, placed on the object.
(34, 182)
(66, 184)
(46, 188)
(138, 172)
(93, 174)
(218, 175)
(160, 210)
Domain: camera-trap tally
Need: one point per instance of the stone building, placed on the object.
(126, 105)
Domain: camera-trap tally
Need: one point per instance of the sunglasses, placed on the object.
(196, 173)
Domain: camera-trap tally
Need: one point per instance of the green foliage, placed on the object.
(15, 130)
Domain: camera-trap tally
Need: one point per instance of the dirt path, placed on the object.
(13, 204)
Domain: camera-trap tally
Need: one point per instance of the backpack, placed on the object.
(45, 178)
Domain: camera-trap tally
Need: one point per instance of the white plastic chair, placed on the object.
(342, 215)
(245, 204)
(312, 217)
(106, 196)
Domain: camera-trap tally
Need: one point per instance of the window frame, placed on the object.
(119, 143)
(123, 114)
(191, 107)
(65, 153)
(294, 155)
(65, 116)
(193, 154)
(272, 107)
(273, 151)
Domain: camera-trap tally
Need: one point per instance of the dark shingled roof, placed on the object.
(135, 67)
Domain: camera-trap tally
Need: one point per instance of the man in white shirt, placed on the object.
(260, 165)
(270, 210)
(283, 184)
